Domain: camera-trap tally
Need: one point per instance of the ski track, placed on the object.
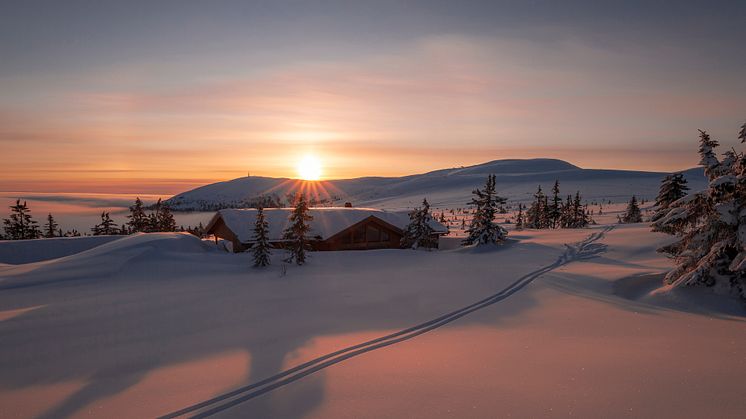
(585, 249)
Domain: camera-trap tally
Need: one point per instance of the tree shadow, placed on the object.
(105, 329)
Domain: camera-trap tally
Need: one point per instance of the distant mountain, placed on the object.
(516, 179)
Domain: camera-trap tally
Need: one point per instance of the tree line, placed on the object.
(20, 225)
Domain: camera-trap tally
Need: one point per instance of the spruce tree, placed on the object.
(711, 225)
(138, 220)
(166, 221)
(580, 217)
(50, 228)
(154, 218)
(555, 208)
(632, 214)
(536, 215)
(418, 232)
(673, 187)
(297, 232)
(20, 225)
(519, 218)
(483, 228)
(260, 249)
(107, 226)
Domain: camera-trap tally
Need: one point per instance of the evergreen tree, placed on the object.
(20, 225)
(50, 228)
(138, 220)
(519, 219)
(673, 187)
(536, 215)
(260, 249)
(708, 158)
(483, 228)
(632, 214)
(297, 232)
(711, 225)
(581, 218)
(166, 221)
(418, 232)
(107, 226)
(555, 208)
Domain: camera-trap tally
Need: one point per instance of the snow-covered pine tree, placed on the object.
(632, 214)
(297, 231)
(554, 211)
(138, 220)
(483, 228)
(673, 187)
(418, 232)
(708, 158)
(581, 219)
(50, 228)
(260, 249)
(107, 227)
(519, 219)
(536, 213)
(711, 225)
(20, 225)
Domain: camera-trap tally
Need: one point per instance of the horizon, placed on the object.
(186, 185)
(160, 98)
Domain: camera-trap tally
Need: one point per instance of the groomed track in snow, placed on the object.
(582, 250)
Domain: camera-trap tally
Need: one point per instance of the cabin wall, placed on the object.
(221, 230)
(363, 236)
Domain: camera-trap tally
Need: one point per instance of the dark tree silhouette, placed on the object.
(19, 225)
(50, 228)
(260, 249)
(107, 227)
(297, 232)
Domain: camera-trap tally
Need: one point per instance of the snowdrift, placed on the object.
(122, 256)
(17, 252)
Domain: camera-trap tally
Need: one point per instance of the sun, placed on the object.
(309, 168)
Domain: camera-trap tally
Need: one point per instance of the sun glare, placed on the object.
(309, 168)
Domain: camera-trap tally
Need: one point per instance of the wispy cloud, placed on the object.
(438, 101)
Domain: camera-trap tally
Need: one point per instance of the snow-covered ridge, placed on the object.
(516, 180)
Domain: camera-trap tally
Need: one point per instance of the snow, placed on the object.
(27, 251)
(515, 179)
(326, 221)
(151, 323)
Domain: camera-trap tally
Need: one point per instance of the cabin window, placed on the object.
(384, 236)
(347, 238)
(372, 234)
(359, 235)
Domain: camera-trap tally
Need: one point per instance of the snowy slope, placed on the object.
(27, 251)
(516, 179)
(152, 323)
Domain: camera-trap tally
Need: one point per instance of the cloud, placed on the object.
(437, 101)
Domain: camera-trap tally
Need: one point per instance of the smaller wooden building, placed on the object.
(335, 228)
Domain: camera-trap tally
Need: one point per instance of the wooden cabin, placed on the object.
(331, 228)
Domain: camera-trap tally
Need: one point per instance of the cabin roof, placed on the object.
(327, 221)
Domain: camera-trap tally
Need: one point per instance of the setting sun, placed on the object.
(309, 168)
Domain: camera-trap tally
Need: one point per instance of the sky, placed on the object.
(161, 96)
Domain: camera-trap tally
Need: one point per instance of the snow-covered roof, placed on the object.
(326, 222)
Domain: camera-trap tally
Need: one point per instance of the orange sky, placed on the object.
(157, 116)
